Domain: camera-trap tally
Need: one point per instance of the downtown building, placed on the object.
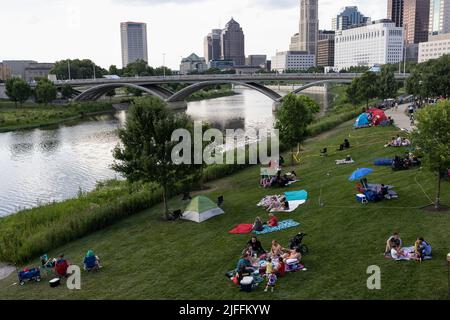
(232, 42)
(347, 18)
(416, 16)
(293, 61)
(134, 42)
(439, 21)
(306, 39)
(395, 11)
(439, 46)
(193, 64)
(212, 47)
(28, 70)
(325, 48)
(378, 43)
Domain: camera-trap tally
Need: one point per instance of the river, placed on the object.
(45, 165)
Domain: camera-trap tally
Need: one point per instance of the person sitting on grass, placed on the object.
(406, 142)
(294, 254)
(276, 249)
(394, 239)
(91, 261)
(61, 266)
(258, 225)
(273, 220)
(423, 249)
(384, 191)
(281, 269)
(256, 246)
(245, 264)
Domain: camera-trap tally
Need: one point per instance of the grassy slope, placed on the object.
(147, 258)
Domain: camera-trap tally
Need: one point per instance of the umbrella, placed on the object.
(360, 173)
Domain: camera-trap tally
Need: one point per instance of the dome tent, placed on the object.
(200, 209)
(362, 121)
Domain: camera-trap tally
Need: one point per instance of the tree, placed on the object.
(67, 91)
(433, 137)
(45, 91)
(113, 70)
(353, 93)
(79, 69)
(293, 118)
(146, 151)
(133, 91)
(138, 68)
(387, 85)
(111, 93)
(368, 86)
(17, 90)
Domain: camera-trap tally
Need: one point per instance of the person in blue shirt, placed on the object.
(245, 263)
(423, 249)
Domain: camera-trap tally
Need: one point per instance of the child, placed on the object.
(271, 281)
(269, 267)
(281, 270)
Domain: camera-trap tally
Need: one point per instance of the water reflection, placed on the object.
(40, 166)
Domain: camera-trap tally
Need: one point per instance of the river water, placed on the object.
(45, 165)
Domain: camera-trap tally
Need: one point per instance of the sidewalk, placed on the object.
(5, 271)
(401, 119)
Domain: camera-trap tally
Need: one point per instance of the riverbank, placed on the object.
(344, 237)
(211, 94)
(30, 116)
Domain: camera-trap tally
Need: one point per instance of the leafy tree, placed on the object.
(111, 93)
(353, 93)
(433, 137)
(17, 90)
(163, 71)
(45, 91)
(368, 87)
(146, 151)
(67, 91)
(387, 85)
(138, 68)
(430, 79)
(79, 69)
(293, 118)
(133, 91)
(113, 70)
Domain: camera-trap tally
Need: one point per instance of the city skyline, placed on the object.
(65, 29)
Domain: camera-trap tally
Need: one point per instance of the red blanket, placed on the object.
(242, 229)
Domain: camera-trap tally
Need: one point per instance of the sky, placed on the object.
(51, 30)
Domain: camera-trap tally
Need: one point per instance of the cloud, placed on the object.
(158, 2)
(273, 4)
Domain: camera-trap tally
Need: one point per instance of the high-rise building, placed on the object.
(439, 17)
(378, 43)
(395, 11)
(306, 39)
(212, 47)
(325, 53)
(416, 17)
(326, 35)
(233, 43)
(134, 42)
(348, 17)
(256, 60)
(434, 49)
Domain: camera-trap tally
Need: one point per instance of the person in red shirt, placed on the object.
(273, 221)
(281, 269)
(61, 266)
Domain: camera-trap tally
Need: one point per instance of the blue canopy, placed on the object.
(360, 173)
(362, 121)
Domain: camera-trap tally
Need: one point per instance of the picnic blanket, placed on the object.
(293, 205)
(242, 229)
(296, 195)
(344, 161)
(285, 224)
(383, 162)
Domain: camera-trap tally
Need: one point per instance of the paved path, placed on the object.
(5, 271)
(401, 119)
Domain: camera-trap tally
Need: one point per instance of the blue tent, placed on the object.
(362, 121)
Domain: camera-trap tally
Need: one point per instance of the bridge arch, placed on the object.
(315, 83)
(96, 92)
(183, 94)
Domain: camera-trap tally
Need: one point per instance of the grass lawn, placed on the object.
(145, 257)
(35, 115)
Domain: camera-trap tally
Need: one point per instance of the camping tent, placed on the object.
(378, 116)
(362, 121)
(200, 209)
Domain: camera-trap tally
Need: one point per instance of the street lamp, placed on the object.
(164, 64)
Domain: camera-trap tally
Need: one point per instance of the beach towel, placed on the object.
(296, 195)
(383, 162)
(293, 205)
(344, 161)
(282, 225)
(242, 229)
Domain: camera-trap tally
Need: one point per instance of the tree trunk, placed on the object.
(437, 204)
(166, 207)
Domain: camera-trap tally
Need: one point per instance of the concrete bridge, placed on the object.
(93, 89)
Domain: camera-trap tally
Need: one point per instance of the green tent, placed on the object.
(200, 209)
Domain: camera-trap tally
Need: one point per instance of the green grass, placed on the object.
(35, 115)
(145, 257)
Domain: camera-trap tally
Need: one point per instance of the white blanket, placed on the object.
(293, 205)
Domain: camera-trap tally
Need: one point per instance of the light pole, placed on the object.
(93, 67)
(164, 64)
(68, 68)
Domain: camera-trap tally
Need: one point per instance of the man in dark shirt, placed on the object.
(256, 246)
